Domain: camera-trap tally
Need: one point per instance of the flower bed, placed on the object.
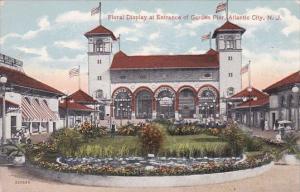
(35, 157)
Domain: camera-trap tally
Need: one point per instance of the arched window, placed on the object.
(186, 105)
(122, 103)
(208, 103)
(165, 102)
(144, 104)
(102, 46)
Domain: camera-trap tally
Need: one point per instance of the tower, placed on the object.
(228, 44)
(100, 55)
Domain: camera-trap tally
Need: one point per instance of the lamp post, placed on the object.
(67, 100)
(295, 90)
(3, 81)
(250, 98)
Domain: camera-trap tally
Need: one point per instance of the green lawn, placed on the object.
(190, 145)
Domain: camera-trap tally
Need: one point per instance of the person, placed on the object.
(113, 130)
(276, 124)
(266, 125)
(262, 125)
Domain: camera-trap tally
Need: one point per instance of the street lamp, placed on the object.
(295, 90)
(3, 81)
(68, 100)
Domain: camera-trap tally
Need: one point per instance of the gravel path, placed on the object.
(279, 179)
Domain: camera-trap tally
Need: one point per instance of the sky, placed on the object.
(48, 36)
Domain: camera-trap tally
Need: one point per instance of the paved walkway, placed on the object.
(278, 179)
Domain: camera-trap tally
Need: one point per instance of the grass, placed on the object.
(120, 146)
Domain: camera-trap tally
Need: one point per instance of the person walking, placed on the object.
(266, 125)
(113, 130)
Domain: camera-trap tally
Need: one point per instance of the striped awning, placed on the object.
(36, 111)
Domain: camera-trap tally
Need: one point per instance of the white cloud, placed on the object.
(154, 36)
(269, 67)
(72, 44)
(149, 49)
(124, 30)
(75, 16)
(134, 39)
(2, 3)
(43, 25)
(195, 50)
(291, 22)
(298, 2)
(40, 52)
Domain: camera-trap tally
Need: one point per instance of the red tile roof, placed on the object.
(245, 93)
(19, 78)
(207, 60)
(100, 30)
(82, 97)
(258, 103)
(287, 81)
(228, 26)
(8, 103)
(75, 106)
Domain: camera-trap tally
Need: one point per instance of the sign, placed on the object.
(165, 101)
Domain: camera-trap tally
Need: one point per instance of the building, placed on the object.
(30, 103)
(249, 107)
(168, 86)
(285, 99)
(79, 107)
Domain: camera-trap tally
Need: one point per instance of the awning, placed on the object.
(36, 111)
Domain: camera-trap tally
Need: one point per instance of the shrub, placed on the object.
(235, 138)
(128, 130)
(91, 131)
(183, 130)
(253, 144)
(65, 141)
(151, 138)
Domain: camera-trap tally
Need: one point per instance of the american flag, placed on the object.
(245, 69)
(221, 7)
(95, 10)
(205, 37)
(74, 72)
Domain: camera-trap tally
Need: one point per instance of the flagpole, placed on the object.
(79, 87)
(226, 10)
(210, 39)
(100, 13)
(249, 73)
(119, 42)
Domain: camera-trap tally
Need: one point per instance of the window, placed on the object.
(206, 76)
(142, 76)
(230, 91)
(102, 46)
(99, 78)
(99, 93)
(99, 61)
(230, 42)
(229, 58)
(282, 101)
(230, 75)
(122, 77)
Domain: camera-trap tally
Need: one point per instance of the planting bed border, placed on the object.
(147, 181)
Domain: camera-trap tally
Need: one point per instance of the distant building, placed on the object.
(169, 86)
(81, 108)
(30, 103)
(249, 107)
(284, 103)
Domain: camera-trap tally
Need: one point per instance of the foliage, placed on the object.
(235, 138)
(13, 150)
(183, 130)
(252, 161)
(289, 146)
(151, 138)
(92, 131)
(65, 141)
(129, 130)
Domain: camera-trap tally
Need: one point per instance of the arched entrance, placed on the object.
(208, 102)
(165, 102)
(143, 106)
(186, 103)
(122, 98)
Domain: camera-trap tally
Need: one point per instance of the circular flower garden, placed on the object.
(152, 149)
